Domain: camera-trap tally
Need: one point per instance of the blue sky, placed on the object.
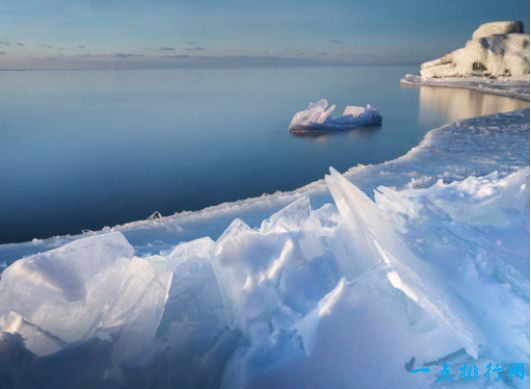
(164, 33)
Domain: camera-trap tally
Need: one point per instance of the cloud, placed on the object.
(176, 56)
(3, 53)
(20, 44)
(166, 49)
(81, 47)
(233, 51)
(336, 41)
(126, 55)
(113, 55)
(196, 48)
(295, 51)
(169, 59)
(5, 43)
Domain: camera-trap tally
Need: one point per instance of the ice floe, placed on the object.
(318, 118)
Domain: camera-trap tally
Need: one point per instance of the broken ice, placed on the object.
(318, 118)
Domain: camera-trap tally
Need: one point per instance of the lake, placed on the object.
(85, 149)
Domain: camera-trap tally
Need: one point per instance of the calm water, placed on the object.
(81, 150)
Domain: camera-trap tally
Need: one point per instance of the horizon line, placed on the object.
(210, 66)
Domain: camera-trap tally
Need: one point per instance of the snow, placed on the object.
(318, 117)
(352, 280)
(498, 28)
(496, 49)
(517, 87)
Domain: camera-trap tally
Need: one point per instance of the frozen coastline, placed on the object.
(252, 293)
(414, 168)
(516, 87)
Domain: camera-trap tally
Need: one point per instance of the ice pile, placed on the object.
(355, 293)
(496, 49)
(318, 118)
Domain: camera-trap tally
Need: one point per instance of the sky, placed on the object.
(93, 34)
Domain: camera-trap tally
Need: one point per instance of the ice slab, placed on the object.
(91, 287)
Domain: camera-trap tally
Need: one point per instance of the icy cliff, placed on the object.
(496, 49)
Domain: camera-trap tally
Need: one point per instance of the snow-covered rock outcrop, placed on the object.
(496, 49)
(498, 28)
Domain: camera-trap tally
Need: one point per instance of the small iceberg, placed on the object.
(318, 118)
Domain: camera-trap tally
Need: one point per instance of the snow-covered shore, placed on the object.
(355, 280)
(516, 87)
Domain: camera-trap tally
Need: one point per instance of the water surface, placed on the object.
(85, 149)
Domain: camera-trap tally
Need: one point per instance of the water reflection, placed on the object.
(324, 136)
(450, 104)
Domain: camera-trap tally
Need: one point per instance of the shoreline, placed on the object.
(212, 221)
(517, 88)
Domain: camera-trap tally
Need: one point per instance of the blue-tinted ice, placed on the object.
(318, 118)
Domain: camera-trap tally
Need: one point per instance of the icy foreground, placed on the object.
(318, 118)
(496, 49)
(311, 297)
